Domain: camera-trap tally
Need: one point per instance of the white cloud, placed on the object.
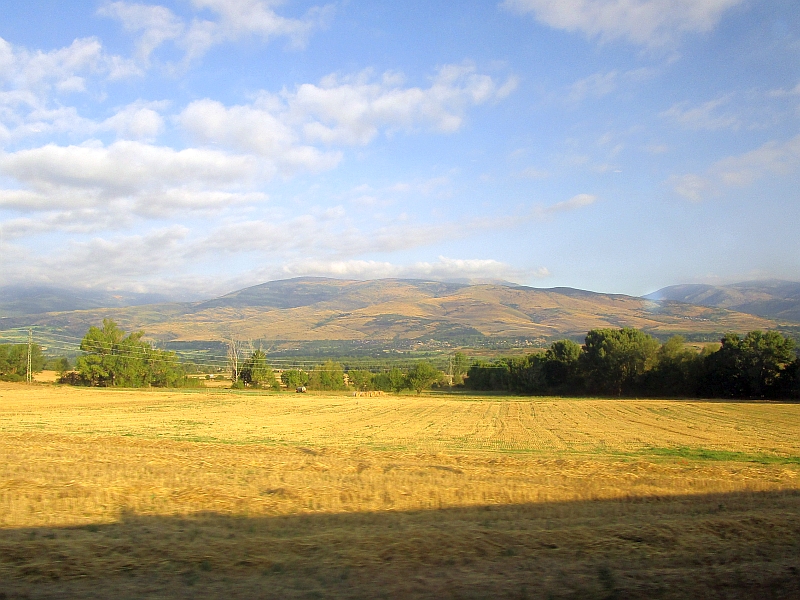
(644, 22)
(32, 82)
(578, 201)
(366, 195)
(257, 17)
(141, 259)
(64, 69)
(352, 110)
(157, 24)
(147, 179)
(324, 232)
(340, 111)
(77, 220)
(233, 19)
(533, 173)
(596, 85)
(443, 269)
(45, 121)
(165, 203)
(705, 116)
(138, 120)
(691, 187)
(122, 167)
(782, 93)
(773, 158)
(601, 84)
(133, 255)
(254, 129)
(333, 233)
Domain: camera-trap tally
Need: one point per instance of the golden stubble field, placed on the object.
(215, 493)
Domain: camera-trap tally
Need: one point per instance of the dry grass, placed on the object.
(46, 376)
(114, 493)
(428, 424)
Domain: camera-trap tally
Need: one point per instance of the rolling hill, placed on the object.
(316, 309)
(772, 299)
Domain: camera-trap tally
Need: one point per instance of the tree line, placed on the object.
(612, 362)
(629, 362)
(112, 358)
(331, 376)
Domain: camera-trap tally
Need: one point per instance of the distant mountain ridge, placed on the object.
(20, 300)
(313, 309)
(772, 298)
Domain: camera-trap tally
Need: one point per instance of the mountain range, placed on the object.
(772, 298)
(315, 309)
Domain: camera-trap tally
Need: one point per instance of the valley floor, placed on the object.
(213, 493)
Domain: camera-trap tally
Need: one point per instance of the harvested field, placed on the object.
(544, 426)
(214, 493)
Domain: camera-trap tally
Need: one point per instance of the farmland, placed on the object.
(218, 493)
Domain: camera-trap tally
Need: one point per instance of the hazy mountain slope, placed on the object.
(773, 299)
(331, 293)
(314, 309)
(30, 300)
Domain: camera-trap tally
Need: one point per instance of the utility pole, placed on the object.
(29, 377)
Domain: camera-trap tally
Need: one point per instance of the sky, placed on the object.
(195, 147)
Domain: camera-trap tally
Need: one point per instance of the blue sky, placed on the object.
(198, 146)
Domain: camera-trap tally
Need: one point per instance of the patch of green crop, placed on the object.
(718, 455)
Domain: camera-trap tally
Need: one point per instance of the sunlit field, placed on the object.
(212, 493)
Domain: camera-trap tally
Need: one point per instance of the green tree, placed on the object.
(559, 366)
(677, 370)
(422, 376)
(14, 361)
(61, 365)
(766, 356)
(753, 367)
(328, 376)
(393, 380)
(361, 380)
(294, 378)
(113, 359)
(162, 369)
(613, 360)
(256, 372)
(459, 366)
(490, 376)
